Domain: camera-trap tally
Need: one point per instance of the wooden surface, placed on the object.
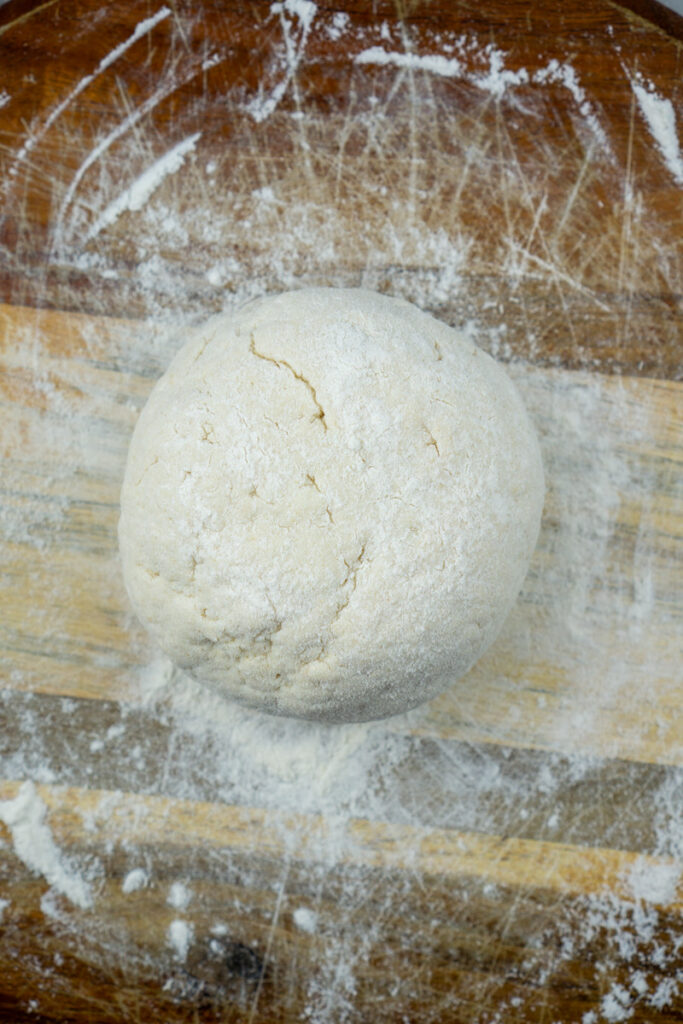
(515, 858)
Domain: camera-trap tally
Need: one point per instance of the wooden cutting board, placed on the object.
(512, 851)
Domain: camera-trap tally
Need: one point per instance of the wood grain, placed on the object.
(503, 860)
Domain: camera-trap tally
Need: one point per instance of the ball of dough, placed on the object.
(329, 505)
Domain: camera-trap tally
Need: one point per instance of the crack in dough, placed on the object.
(432, 442)
(352, 578)
(320, 415)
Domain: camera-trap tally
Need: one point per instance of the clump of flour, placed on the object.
(24, 815)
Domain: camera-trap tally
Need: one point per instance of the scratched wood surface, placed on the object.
(522, 860)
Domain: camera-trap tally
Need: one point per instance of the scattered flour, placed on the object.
(180, 934)
(495, 80)
(437, 64)
(168, 85)
(304, 10)
(136, 879)
(639, 983)
(661, 121)
(655, 883)
(282, 763)
(137, 194)
(498, 79)
(616, 1004)
(305, 919)
(296, 19)
(565, 74)
(179, 896)
(666, 992)
(34, 845)
(339, 25)
(141, 29)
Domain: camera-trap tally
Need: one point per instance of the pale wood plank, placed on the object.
(80, 818)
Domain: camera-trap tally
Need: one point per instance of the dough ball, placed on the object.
(329, 505)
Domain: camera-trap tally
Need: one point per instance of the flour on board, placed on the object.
(141, 29)
(655, 883)
(305, 919)
(179, 896)
(135, 879)
(565, 74)
(661, 120)
(24, 815)
(296, 18)
(495, 80)
(100, 148)
(137, 194)
(180, 938)
(436, 63)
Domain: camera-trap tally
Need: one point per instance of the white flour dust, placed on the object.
(436, 63)
(179, 896)
(305, 919)
(179, 938)
(657, 884)
(296, 18)
(496, 79)
(40, 131)
(659, 115)
(137, 194)
(566, 75)
(135, 879)
(34, 845)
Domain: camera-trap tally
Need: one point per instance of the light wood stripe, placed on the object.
(85, 818)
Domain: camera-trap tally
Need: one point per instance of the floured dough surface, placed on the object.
(329, 505)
